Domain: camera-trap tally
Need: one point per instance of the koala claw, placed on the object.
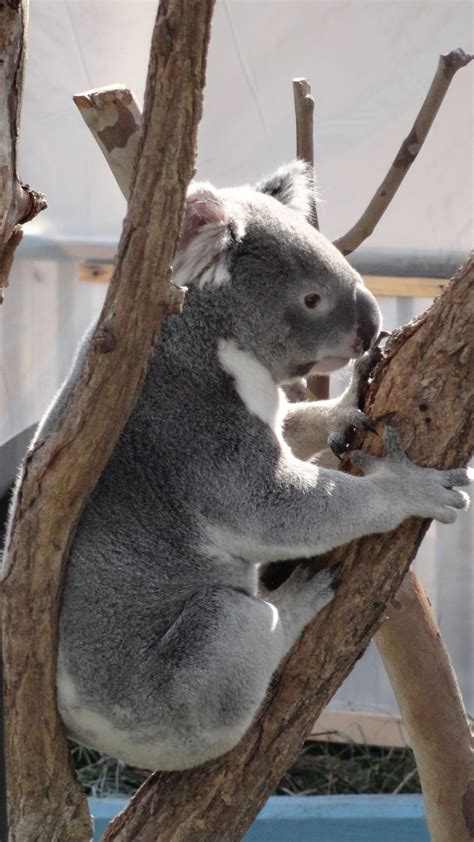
(351, 417)
(393, 443)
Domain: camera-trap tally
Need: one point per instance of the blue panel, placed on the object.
(333, 818)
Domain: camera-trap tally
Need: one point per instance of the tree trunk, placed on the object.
(217, 802)
(45, 802)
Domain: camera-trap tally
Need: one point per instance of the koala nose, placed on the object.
(369, 319)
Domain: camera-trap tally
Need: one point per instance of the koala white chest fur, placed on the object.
(166, 647)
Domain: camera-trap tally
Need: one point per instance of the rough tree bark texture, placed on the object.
(416, 660)
(45, 803)
(433, 411)
(18, 202)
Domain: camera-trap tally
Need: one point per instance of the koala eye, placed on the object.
(312, 300)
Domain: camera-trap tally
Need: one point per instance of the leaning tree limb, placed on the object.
(432, 710)
(45, 802)
(18, 202)
(448, 65)
(217, 802)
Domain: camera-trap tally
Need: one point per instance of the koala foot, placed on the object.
(315, 589)
(421, 492)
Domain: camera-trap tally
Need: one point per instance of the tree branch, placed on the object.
(59, 473)
(432, 710)
(114, 118)
(318, 384)
(448, 65)
(18, 202)
(217, 802)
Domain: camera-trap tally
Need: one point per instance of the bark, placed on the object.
(217, 802)
(432, 710)
(18, 202)
(448, 65)
(114, 118)
(45, 803)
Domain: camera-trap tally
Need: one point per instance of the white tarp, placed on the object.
(370, 64)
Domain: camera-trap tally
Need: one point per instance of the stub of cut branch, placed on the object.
(448, 65)
(45, 802)
(18, 202)
(432, 710)
(217, 802)
(114, 118)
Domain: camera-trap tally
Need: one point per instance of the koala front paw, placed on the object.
(346, 413)
(346, 418)
(420, 492)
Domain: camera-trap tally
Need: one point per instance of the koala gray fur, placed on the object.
(166, 648)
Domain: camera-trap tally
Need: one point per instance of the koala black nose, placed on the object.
(369, 318)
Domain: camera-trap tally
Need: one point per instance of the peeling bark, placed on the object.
(217, 802)
(45, 802)
(114, 118)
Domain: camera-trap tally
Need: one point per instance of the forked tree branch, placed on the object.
(45, 803)
(432, 711)
(397, 653)
(448, 65)
(218, 801)
(18, 202)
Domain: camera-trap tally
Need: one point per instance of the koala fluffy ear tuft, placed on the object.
(292, 185)
(205, 232)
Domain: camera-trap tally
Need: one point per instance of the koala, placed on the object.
(167, 646)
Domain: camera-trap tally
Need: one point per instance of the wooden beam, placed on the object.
(379, 285)
(373, 729)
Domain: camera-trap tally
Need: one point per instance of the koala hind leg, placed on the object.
(223, 649)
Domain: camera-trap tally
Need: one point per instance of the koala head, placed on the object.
(290, 298)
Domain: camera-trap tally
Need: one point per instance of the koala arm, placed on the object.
(309, 426)
(307, 510)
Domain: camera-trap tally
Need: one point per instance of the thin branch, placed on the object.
(304, 114)
(114, 118)
(448, 65)
(60, 471)
(318, 385)
(432, 710)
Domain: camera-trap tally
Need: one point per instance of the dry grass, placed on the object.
(322, 768)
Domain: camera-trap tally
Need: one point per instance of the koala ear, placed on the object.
(292, 185)
(205, 232)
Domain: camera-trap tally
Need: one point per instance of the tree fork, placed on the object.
(217, 802)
